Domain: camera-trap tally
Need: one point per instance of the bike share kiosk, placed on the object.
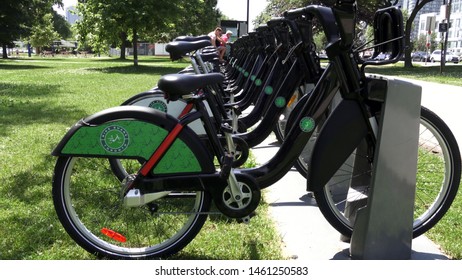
(379, 207)
(383, 229)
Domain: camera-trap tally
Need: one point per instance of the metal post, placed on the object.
(444, 43)
(248, 16)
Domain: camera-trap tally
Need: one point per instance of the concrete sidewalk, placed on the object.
(305, 232)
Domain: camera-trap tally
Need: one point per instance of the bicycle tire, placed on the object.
(438, 148)
(97, 220)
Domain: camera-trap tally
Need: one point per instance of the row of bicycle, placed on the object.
(139, 180)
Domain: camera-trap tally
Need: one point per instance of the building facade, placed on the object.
(439, 16)
(431, 7)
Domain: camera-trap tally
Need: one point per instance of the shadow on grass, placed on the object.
(29, 222)
(140, 69)
(23, 104)
(21, 67)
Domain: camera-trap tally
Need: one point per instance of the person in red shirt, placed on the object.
(224, 38)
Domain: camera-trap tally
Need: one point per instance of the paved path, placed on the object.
(305, 232)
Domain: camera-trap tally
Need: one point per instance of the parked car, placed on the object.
(450, 57)
(420, 56)
(457, 52)
(382, 56)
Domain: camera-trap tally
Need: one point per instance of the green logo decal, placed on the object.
(307, 124)
(159, 105)
(258, 82)
(269, 90)
(114, 139)
(280, 102)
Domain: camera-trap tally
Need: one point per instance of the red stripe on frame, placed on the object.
(168, 141)
(186, 109)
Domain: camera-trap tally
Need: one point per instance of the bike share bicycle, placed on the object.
(161, 207)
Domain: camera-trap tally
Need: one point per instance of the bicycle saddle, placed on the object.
(177, 85)
(192, 38)
(179, 48)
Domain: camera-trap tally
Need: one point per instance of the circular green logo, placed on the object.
(269, 90)
(258, 82)
(114, 139)
(280, 102)
(159, 105)
(307, 124)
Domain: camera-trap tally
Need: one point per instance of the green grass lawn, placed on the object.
(40, 99)
(429, 72)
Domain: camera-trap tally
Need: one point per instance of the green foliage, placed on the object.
(111, 22)
(421, 43)
(43, 32)
(61, 26)
(275, 8)
(14, 19)
(18, 17)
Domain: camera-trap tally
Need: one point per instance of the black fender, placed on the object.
(136, 132)
(341, 134)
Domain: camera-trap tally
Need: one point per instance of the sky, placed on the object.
(234, 9)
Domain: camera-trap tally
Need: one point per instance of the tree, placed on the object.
(14, 19)
(421, 43)
(408, 29)
(61, 25)
(366, 11)
(43, 33)
(17, 17)
(276, 8)
(196, 17)
(117, 22)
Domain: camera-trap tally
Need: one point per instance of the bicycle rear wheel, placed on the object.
(438, 178)
(88, 200)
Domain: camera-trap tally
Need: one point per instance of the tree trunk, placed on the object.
(407, 35)
(407, 43)
(123, 46)
(5, 53)
(135, 47)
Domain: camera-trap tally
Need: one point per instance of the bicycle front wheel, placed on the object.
(438, 178)
(88, 200)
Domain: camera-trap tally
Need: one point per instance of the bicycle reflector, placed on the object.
(113, 235)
